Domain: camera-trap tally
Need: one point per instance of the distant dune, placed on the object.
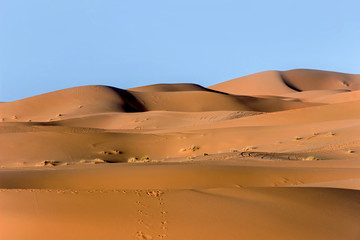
(272, 155)
(286, 82)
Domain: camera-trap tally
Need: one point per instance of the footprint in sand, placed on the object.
(144, 200)
(163, 212)
(142, 236)
(141, 211)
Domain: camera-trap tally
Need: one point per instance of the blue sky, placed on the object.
(47, 45)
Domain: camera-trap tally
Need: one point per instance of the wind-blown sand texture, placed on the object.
(273, 155)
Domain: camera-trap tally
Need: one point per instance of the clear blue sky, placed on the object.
(47, 45)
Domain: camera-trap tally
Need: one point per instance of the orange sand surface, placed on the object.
(273, 155)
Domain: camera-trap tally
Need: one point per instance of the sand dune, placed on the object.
(70, 102)
(287, 82)
(306, 79)
(102, 99)
(263, 83)
(273, 155)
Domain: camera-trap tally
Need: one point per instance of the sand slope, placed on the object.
(273, 155)
(287, 82)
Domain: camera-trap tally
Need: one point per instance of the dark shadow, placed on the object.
(288, 83)
(131, 103)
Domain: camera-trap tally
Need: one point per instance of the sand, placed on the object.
(273, 155)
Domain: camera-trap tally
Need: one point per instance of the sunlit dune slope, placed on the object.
(287, 82)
